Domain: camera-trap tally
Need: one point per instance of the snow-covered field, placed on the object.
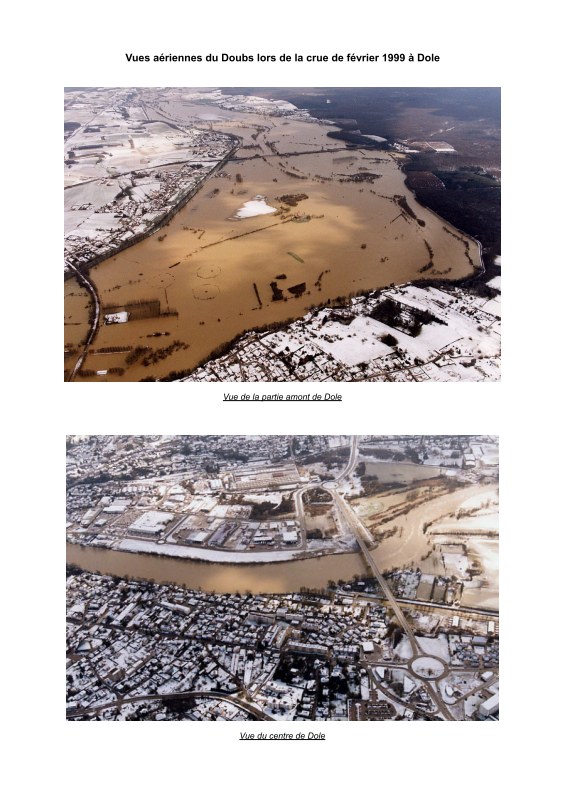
(485, 522)
(484, 501)
(242, 103)
(435, 646)
(484, 590)
(253, 208)
(477, 514)
(351, 344)
(403, 650)
(111, 145)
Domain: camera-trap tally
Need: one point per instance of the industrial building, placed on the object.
(151, 523)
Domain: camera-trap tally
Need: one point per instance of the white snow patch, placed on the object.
(204, 554)
(117, 317)
(253, 208)
(435, 646)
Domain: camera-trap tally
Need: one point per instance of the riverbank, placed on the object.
(280, 577)
(353, 341)
(205, 555)
(82, 270)
(162, 220)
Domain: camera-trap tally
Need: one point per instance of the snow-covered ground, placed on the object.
(476, 514)
(350, 344)
(245, 103)
(347, 344)
(253, 208)
(403, 650)
(485, 522)
(484, 501)
(206, 554)
(123, 171)
(435, 646)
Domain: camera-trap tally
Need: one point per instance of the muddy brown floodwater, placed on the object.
(200, 270)
(279, 577)
(407, 548)
(77, 304)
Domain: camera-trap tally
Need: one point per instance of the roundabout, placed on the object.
(428, 667)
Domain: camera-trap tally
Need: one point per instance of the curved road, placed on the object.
(257, 713)
(89, 286)
(83, 280)
(352, 463)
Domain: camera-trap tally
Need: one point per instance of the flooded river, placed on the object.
(220, 285)
(280, 577)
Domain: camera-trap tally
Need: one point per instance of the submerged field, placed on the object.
(439, 530)
(220, 275)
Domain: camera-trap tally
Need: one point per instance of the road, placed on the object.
(89, 285)
(474, 612)
(83, 281)
(350, 521)
(352, 463)
(299, 503)
(93, 710)
(345, 473)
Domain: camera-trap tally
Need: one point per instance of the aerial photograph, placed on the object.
(282, 234)
(282, 578)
